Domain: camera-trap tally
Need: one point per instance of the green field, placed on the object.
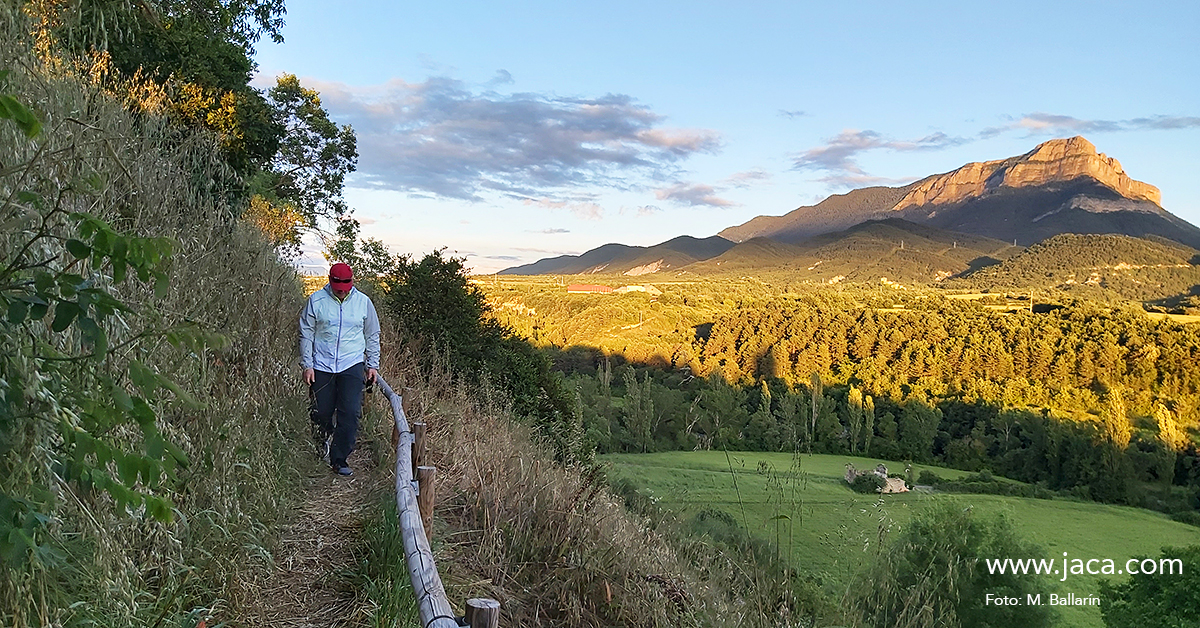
(835, 529)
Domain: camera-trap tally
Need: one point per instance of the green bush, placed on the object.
(1188, 517)
(1168, 600)
(929, 478)
(433, 299)
(934, 575)
(868, 483)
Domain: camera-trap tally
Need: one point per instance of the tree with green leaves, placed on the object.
(869, 423)
(1167, 598)
(854, 416)
(199, 53)
(639, 411)
(933, 575)
(917, 427)
(1114, 416)
(816, 396)
(315, 155)
(1169, 433)
(432, 299)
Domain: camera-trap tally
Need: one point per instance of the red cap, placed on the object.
(341, 277)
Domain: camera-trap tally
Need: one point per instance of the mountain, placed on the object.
(628, 260)
(832, 214)
(1139, 269)
(887, 251)
(1061, 186)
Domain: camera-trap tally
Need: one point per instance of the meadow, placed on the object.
(831, 532)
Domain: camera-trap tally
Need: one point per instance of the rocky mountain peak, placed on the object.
(1050, 162)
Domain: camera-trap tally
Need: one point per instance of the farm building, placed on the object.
(584, 287)
(890, 484)
(647, 289)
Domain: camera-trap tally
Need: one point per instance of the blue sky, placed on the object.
(509, 132)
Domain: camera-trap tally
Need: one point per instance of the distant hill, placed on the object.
(832, 214)
(1132, 268)
(892, 250)
(1061, 186)
(628, 260)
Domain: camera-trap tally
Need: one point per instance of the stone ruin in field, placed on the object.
(890, 485)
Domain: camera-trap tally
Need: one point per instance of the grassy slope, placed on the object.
(835, 525)
(147, 177)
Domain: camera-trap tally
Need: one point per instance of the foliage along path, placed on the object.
(313, 585)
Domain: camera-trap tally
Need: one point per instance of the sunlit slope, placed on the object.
(872, 252)
(1131, 268)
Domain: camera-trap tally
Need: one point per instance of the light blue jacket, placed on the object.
(336, 335)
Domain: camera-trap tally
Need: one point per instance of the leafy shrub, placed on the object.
(984, 483)
(1161, 599)
(934, 575)
(432, 299)
(930, 478)
(146, 403)
(868, 483)
(1189, 517)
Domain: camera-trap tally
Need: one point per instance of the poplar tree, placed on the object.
(1172, 437)
(869, 419)
(639, 410)
(817, 392)
(1115, 417)
(854, 404)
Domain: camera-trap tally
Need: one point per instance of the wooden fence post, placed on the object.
(430, 593)
(426, 477)
(418, 448)
(483, 613)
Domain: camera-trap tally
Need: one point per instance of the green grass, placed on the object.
(382, 573)
(836, 530)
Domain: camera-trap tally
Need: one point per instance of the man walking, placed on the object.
(339, 351)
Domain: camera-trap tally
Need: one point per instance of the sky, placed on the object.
(508, 132)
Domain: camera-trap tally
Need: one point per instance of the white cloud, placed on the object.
(584, 209)
(838, 155)
(693, 194)
(1041, 124)
(440, 138)
(747, 179)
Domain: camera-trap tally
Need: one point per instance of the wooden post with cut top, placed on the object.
(483, 613)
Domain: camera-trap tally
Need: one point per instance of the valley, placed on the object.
(800, 505)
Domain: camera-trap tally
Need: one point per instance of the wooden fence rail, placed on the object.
(432, 603)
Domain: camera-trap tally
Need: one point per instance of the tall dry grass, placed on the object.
(149, 177)
(551, 542)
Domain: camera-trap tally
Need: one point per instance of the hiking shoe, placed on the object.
(344, 470)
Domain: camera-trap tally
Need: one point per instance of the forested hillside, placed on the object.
(881, 251)
(1098, 265)
(972, 384)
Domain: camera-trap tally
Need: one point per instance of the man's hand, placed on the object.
(371, 375)
(310, 376)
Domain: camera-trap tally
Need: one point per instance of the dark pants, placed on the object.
(343, 393)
